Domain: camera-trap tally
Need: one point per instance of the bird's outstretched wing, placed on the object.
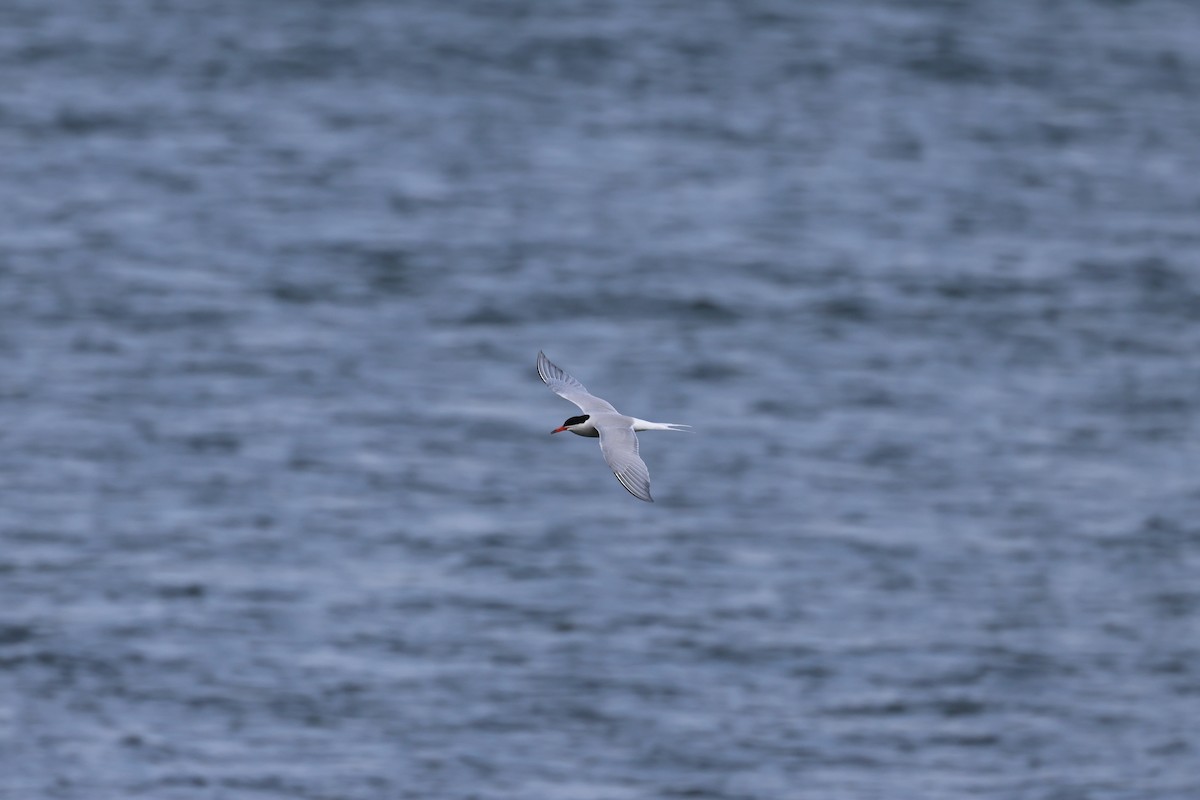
(568, 388)
(619, 444)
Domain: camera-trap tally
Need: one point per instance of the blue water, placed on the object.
(279, 514)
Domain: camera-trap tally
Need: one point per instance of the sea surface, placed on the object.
(280, 516)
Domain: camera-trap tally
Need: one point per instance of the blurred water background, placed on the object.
(279, 514)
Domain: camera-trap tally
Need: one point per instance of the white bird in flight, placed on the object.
(618, 440)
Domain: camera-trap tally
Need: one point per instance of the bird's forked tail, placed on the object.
(643, 425)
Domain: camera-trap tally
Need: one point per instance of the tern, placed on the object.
(617, 432)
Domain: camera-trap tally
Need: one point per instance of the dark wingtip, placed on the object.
(628, 488)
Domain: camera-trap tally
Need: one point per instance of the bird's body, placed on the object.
(616, 431)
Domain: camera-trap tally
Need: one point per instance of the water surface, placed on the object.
(280, 517)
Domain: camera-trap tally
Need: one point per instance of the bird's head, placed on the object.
(572, 422)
